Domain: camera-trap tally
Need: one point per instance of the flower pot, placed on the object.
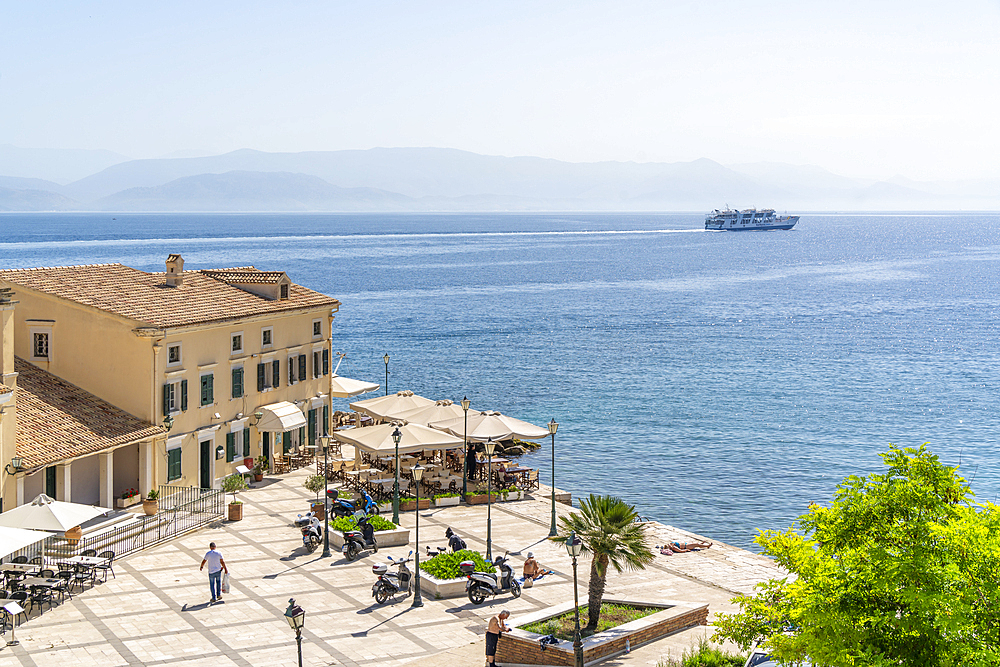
(74, 534)
(150, 506)
(235, 511)
(258, 477)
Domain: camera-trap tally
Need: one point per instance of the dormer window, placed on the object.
(174, 354)
(284, 291)
(40, 345)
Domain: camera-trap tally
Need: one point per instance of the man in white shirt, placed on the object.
(216, 566)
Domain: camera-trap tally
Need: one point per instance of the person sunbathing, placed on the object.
(532, 570)
(671, 548)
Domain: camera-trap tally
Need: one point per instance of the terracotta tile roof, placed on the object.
(245, 276)
(57, 420)
(146, 298)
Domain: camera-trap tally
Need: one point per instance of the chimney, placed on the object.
(175, 270)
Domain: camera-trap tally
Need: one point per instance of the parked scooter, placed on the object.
(481, 585)
(341, 507)
(390, 583)
(312, 530)
(363, 539)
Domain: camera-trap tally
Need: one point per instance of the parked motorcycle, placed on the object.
(342, 507)
(390, 583)
(311, 529)
(481, 585)
(363, 539)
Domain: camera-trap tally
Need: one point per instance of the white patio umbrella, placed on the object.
(381, 407)
(15, 539)
(348, 388)
(438, 412)
(44, 513)
(415, 438)
(491, 425)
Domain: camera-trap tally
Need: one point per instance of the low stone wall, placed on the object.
(520, 647)
(439, 589)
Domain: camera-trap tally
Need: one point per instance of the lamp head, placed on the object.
(257, 416)
(397, 435)
(14, 466)
(553, 427)
(386, 358)
(490, 446)
(418, 472)
(168, 422)
(295, 615)
(574, 546)
(466, 403)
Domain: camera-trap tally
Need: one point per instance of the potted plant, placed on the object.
(128, 498)
(317, 483)
(258, 469)
(151, 503)
(480, 495)
(234, 484)
(408, 503)
(446, 499)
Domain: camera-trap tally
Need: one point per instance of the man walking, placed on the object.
(493, 632)
(216, 566)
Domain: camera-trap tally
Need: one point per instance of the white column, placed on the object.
(20, 490)
(145, 467)
(107, 474)
(64, 490)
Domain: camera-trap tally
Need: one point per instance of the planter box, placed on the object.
(447, 502)
(235, 511)
(319, 509)
(385, 508)
(439, 589)
(513, 495)
(122, 503)
(521, 647)
(384, 538)
(410, 505)
(474, 499)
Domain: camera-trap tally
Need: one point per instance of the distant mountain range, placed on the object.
(439, 179)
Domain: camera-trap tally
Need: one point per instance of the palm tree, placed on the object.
(607, 527)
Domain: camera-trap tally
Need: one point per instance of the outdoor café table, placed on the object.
(19, 567)
(83, 560)
(38, 582)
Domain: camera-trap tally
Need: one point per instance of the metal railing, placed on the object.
(181, 509)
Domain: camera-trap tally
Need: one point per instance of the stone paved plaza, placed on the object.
(156, 611)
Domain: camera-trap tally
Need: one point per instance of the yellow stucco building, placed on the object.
(235, 362)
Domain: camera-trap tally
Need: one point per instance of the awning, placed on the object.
(281, 417)
(415, 438)
(15, 539)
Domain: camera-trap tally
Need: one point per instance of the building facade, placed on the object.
(235, 363)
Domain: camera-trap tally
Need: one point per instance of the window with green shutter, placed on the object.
(230, 447)
(184, 395)
(168, 390)
(276, 373)
(238, 382)
(286, 442)
(261, 376)
(207, 389)
(173, 464)
(326, 420)
(312, 427)
(302, 366)
(246, 442)
(326, 361)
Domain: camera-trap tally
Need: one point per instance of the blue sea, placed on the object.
(720, 381)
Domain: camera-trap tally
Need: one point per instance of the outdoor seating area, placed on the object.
(41, 582)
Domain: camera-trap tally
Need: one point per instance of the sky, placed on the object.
(866, 89)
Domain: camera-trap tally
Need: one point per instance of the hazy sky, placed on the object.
(863, 88)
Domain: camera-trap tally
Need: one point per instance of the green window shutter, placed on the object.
(302, 436)
(312, 427)
(291, 371)
(166, 400)
(286, 442)
(184, 395)
(207, 393)
(211, 388)
(237, 383)
(173, 464)
(326, 420)
(276, 373)
(326, 361)
(230, 447)
(316, 364)
(246, 442)
(261, 374)
(302, 366)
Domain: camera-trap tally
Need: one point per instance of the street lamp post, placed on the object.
(296, 617)
(465, 459)
(490, 446)
(386, 360)
(553, 427)
(418, 472)
(397, 435)
(574, 547)
(325, 441)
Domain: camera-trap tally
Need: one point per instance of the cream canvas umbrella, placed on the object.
(438, 412)
(381, 407)
(415, 438)
(348, 388)
(15, 539)
(492, 425)
(43, 513)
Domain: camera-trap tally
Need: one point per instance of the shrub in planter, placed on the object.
(258, 469)
(234, 484)
(446, 499)
(346, 523)
(151, 503)
(445, 566)
(407, 504)
(317, 483)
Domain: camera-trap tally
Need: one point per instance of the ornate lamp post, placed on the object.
(490, 446)
(574, 547)
(553, 427)
(296, 617)
(386, 360)
(465, 458)
(418, 472)
(325, 441)
(397, 435)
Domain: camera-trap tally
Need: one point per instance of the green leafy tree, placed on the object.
(902, 569)
(608, 530)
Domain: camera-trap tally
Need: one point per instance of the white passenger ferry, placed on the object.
(748, 219)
